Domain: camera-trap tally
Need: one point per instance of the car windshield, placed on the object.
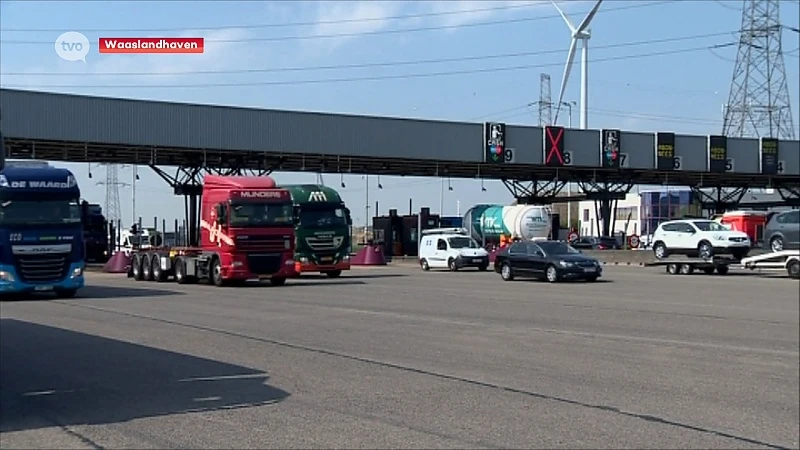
(462, 242)
(323, 217)
(707, 225)
(257, 214)
(557, 248)
(15, 212)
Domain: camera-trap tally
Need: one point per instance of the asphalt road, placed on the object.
(397, 358)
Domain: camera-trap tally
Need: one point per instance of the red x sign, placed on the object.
(554, 143)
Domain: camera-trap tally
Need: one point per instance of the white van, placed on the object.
(451, 248)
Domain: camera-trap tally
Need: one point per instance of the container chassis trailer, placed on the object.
(187, 265)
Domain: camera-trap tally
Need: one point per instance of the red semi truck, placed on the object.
(246, 232)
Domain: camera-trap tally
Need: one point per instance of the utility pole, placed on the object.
(758, 104)
(545, 101)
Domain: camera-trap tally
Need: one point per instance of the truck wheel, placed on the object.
(686, 269)
(180, 271)
(216, 273)
(158, 275)
(333, 273)
(722, 270)
(136, 268)
(793, 269)
(66, 293)
(673, 269)
(277, 281)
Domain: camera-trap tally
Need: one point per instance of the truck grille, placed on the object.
(42, 268)
(324, 243)
(264, 264)
(262, 243)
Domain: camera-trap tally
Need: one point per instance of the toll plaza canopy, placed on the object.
(78, 128)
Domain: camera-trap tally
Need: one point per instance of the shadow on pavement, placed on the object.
(54, 376)
(101, 292)
(352, 276)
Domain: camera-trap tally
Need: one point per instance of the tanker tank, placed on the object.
(486, 223)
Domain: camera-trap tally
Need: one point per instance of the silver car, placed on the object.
(783, 231)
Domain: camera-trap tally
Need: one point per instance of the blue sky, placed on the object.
(682, 92)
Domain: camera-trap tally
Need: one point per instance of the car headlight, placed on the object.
(565, 264)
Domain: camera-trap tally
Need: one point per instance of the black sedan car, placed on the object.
(550, 260)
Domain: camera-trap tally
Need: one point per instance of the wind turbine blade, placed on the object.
(564, 16)
(567, 69)
(589, 17)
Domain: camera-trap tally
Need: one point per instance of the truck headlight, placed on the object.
(76, 272)
(7, 276)
(346, 258)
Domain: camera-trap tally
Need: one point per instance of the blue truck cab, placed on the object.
(41, 235)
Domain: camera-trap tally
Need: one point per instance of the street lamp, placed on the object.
(569, 111)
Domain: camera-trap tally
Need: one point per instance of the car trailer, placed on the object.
(717, 264)
(788, 260)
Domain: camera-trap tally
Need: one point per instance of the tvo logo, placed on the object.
(72, 46)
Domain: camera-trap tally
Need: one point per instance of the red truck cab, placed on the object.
(249, 223)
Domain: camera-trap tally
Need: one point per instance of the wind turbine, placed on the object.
(579, 33)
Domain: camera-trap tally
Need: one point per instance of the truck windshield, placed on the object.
(261, 214)
(323, 217)
(15, 212)
(462, 242)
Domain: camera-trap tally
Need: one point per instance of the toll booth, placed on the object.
(399, 235)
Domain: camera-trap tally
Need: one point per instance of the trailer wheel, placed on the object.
(722, 270)
(136, 268)
(793, 269)
(159, 275)
(708, 271)
(147, 267)
(686, 269)
(672, 269)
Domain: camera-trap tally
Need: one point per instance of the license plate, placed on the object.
(43, 288)
(327, 259)
(477, 260)
(589, 270)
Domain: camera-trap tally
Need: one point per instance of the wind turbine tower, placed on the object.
(580, 33)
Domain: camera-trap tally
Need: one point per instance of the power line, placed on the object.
(288, 24)
(364, 78)
(374, 64)
(380, 32)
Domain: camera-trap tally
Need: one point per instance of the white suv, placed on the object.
(698, 238)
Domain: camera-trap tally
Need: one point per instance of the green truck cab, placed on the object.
(322, 235)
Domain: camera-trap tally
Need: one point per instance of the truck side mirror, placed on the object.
(221, 213)
(347, 216)
(295, 215)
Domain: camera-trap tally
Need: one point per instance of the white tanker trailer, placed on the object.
(486, 223)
